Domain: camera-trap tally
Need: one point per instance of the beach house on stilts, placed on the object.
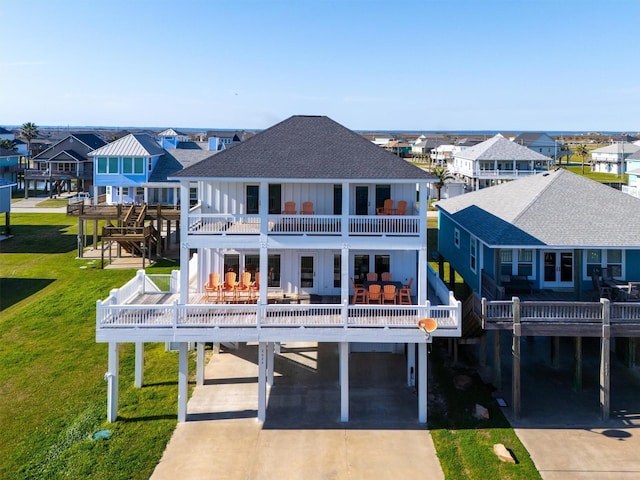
(306, 232)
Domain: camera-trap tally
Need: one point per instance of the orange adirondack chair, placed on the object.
(228, 291)
(255, 288)
(372, 277)
(385, 276)
(212, 288)
(402, 208)
(289, 208)
(404, 294)
(389, 294)
(374, 294)
(386, 209)
(307, 208)
(243, 288)
(359, 293)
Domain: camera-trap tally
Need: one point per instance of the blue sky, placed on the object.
(370, 65)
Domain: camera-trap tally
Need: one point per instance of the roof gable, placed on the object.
(133, 145)
(81, 144)
(558, 208)
(306, 147)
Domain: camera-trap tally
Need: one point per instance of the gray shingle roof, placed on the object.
(557, 208)
(133, 145)
(175, 160)
(499, 148)
(618, 148)
(306, 147)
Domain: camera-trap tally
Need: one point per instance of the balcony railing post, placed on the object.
(345, 313)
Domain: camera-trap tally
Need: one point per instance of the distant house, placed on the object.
(170, 138)
(611, 159)
(10, 165)
(544, 228)
(63, 164)
(424, 145)
(5, 206)
(543, 144)
(633, 175)
(222, 139)
(494, 161)
(134, 169)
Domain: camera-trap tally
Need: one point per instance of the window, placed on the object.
(593, 262)
(360, 268)
(274, 271)
(337, 271)
(275, 198)
(506, 262)
(614, 263)
(337, 199)
(382, 193)
(231, 263)
(149, 165)
(138, 165)
(525, 262)
(124, 191)
(127, 165)
(253, 199)
(473, 252)
(108, 165)
(456, 237)
(252, 264)
(382, 263)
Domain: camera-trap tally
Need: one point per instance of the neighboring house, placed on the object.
(398, 147)
(424, 145)
(611, 159)
(554, 229)
(10, 166)
(494, 161)
(221, 139)
(633, 175)
(64, 163)
(543, 144)
(134, 169)
(171, 138)
(5, 206)
(252, 217)
(21, 147)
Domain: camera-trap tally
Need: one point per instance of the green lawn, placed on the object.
(53, 394)
(52, 388)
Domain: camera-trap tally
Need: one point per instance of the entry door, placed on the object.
(308, 273)
(558, 269)
(362, 200)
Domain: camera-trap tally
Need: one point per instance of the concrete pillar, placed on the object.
(270, 363)
(262, 381)
(200, 363)
(422, 383)
(515, 353)
(411, 364)
(344, 381)
(139, 365)
(112, 377)
(577, 384)
(183, 381)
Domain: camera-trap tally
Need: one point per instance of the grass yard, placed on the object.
(52, 387)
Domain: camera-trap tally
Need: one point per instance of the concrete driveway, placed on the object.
(302, 437)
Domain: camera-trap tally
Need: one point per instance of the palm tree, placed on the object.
(29, 131)
(581, 151)
(8, 144)
(442, 174)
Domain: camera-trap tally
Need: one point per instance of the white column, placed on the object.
(262, 381)
(344, 277)
(345, 210)
(112, 381)
(422, 383)
(200, 363)
(270, 363)
(184, 244)
(183, 381)
(422, 275)
(344, 381)
(139, 365)
(411, 364)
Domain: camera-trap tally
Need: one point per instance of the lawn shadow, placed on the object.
(39, 239)
(15, 290)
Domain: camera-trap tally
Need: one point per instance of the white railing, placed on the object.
(479, 173)
(223, 224)
(283, 316)
(437, 285)
(395, 224)
(633, 191)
